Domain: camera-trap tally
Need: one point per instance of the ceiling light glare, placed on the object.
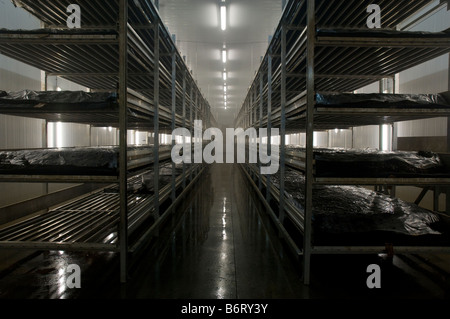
(224, 56)
(223, 17)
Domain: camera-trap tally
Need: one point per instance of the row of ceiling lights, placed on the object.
(223, 25)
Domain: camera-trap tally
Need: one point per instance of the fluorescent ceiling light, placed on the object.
(223, 17)
(224, 56)
(224, 75)
(225, 88)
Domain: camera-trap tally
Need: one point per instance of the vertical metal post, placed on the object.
(245, 113)
(310, 87)
(261, 104)
(249, 119)
(447, 196)
(184, 125)
(436, 194)
(394, 137)
(156, 119)
(255, 107)
(269, 118)
(123, 85)
(380, 127)
(283, 123)
(394, 130)
(45, 131)
(45, 127)
(196, 118)
(174, 105)
(46, 81)
(250, 107)
(191, 125)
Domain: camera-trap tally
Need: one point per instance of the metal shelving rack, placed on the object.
(316, 48)
(123, 47)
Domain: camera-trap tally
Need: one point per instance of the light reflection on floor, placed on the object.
(220, 246)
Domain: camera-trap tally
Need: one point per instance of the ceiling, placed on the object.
(199, 37)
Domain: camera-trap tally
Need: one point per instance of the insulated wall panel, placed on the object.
(429, 77)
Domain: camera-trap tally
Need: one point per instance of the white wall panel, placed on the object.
(372, 88)
(366, 137)
(103, 136)
(429, 77)
(340, 139)
(426, 128)
(68, 135)
(54, 82)
(14, 18)
(321, 139)
(15, 75)
(18, 132)
(440, 21)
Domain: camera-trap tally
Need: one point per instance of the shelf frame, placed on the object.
(301, 62)
(132, 55)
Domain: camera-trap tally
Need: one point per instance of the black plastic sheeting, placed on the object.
(342, 212)
(64, 161)
(374, 100)
(376, 164)
(58, 100)
(379, 33)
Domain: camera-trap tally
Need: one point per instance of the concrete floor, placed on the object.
(220, 246)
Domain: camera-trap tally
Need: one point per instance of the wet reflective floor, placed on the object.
(220, 245)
